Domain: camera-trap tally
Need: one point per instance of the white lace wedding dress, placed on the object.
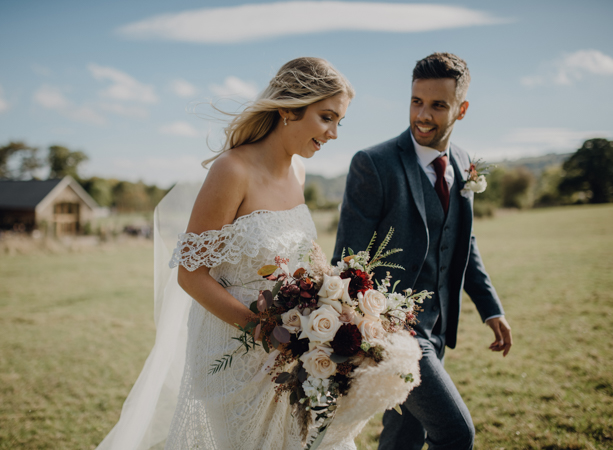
(235, 408)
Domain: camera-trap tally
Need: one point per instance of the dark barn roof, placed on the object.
(25, 194)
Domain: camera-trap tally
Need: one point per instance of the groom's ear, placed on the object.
(463, 109)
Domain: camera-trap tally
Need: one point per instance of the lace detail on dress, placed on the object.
(246, 236)
(236, 409)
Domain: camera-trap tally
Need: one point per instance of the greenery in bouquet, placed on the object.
(320, 323)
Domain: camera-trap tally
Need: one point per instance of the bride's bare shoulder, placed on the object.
(221, 194)
(230, 164)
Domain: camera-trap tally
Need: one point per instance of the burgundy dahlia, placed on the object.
(347, 340)
(297, 346)
(360, 281)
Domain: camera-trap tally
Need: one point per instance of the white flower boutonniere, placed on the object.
(475, 181)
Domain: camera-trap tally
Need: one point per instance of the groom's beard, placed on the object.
(439, 138)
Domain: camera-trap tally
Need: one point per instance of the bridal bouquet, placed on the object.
(331, 334)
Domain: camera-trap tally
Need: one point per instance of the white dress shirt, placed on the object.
(425, 156)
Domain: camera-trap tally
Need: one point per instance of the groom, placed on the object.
(414, 183)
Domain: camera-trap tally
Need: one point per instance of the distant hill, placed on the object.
(536, 164)
(333, 188)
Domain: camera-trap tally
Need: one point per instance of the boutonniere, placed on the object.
(475, 181)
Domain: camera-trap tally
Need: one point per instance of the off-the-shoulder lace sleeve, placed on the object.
(207, 249)
(280, 231)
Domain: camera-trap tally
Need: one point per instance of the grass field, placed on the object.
(77, 327)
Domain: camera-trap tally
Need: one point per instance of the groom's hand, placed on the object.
(502, 331)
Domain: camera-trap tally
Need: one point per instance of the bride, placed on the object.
(249, 210)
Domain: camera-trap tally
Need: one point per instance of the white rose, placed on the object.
(321, 325)
(476, 186)
(480, 184)
(370, 328)
(331, 288)
(291, 320)
(317, 362)
(346, 298)
(333, 303)
(347, 314)
(372, 303)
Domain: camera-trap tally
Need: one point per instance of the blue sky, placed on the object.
(128, 81)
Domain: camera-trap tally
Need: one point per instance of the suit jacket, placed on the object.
(384, 189)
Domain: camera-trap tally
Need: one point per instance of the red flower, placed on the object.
(347, 340)
(360, 281)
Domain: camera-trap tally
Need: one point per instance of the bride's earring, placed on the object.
(285, 121)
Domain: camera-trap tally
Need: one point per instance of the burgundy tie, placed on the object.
(441, 187)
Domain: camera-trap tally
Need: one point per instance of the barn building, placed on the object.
(60, 206)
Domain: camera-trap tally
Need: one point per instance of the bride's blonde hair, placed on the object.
(298, 84)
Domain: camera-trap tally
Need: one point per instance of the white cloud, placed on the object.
(183, 88)
(570, 68)
(51, 97)
(161, 171)
(524, 142)
(234, 86)
(267, 20)
(123, 87)
(4, 104)
(551, 138)
(183, 129)
(127, 111)
(86, 114)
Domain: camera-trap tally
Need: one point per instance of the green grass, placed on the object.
(77, 327)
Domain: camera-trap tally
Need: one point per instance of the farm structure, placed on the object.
(58, 206)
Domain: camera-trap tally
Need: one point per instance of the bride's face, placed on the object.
(318, 125)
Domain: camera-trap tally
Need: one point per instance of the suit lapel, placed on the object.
(411, 168)
(465, 206)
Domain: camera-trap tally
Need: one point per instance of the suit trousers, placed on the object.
(434, 412)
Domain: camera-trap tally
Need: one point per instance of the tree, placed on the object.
(131, 197)
(487, 202)
(100, 189)
(517, 188)
(313, 196)
(155, 194)
(547, 188)
(63, 161)
(590, 170)
(28, 164)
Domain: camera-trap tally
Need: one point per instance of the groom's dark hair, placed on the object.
(444, 65)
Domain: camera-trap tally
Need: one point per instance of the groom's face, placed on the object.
(434, 109)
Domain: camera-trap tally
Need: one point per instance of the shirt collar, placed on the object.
(427, 154)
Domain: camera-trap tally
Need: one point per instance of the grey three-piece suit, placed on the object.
(386, 187)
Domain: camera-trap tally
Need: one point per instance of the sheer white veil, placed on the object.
(148, 410)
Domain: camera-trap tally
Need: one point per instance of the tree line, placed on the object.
(19, 161)
(585, 177)
(555, 180)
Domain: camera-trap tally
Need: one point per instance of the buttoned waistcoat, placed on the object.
(385, 190)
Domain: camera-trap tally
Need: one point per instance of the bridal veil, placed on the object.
(148, 410)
